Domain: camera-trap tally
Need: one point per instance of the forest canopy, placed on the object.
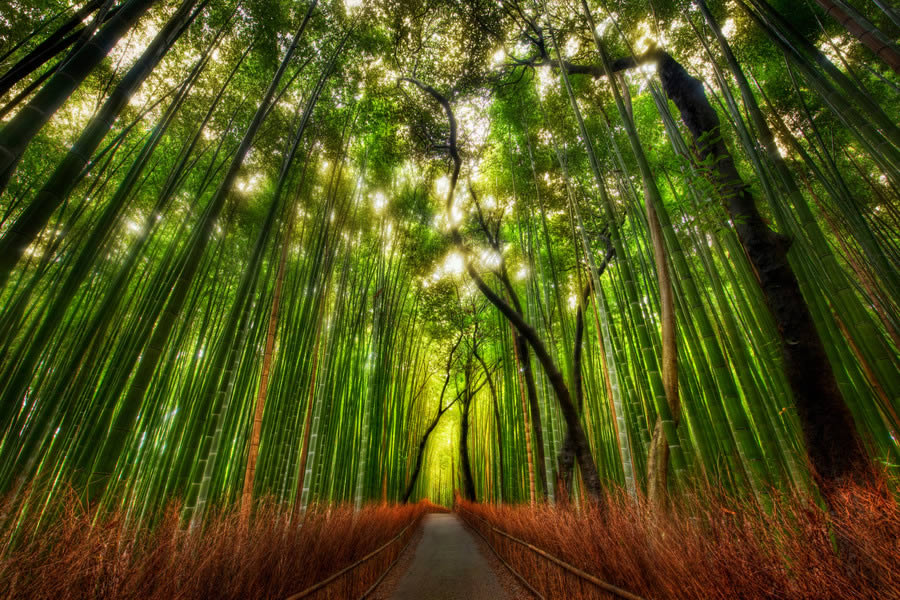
(530, 250)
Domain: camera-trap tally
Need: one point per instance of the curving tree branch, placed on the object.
(554, 376)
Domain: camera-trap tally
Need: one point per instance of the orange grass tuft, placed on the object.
(707, 547)
(76, 554)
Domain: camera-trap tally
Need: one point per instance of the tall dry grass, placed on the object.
(76, 554)
(706, 548)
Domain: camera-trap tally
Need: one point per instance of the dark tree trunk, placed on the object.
(419, 455)
(835, 450)
(536, 428)
(499, 431)
(580, 443)
(535, 450)
(582, 449)
(441, 410)
(566, 458)
(524, 353)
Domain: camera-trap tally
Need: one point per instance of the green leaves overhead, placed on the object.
(244, 174)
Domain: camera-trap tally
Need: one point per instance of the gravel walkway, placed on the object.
(448, 564)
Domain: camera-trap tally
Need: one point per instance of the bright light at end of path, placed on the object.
(352, 4)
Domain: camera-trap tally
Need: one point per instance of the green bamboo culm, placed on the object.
(238, 268)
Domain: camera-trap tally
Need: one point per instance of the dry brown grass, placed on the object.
(707, 548)
(68, 557)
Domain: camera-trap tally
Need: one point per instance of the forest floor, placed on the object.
(448, 562)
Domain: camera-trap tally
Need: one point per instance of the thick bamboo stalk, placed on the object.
(21, 129)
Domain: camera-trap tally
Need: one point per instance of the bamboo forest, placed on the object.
(425, 299)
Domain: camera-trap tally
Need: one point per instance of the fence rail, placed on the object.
(582, 575)
(350, 568)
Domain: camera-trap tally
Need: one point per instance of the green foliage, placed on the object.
(372, 295)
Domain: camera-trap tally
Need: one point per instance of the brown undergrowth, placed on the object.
(706, 548)
(72, 555)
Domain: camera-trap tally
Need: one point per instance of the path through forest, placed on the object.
(448, 565)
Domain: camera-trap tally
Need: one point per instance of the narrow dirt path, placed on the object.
(448, 565)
